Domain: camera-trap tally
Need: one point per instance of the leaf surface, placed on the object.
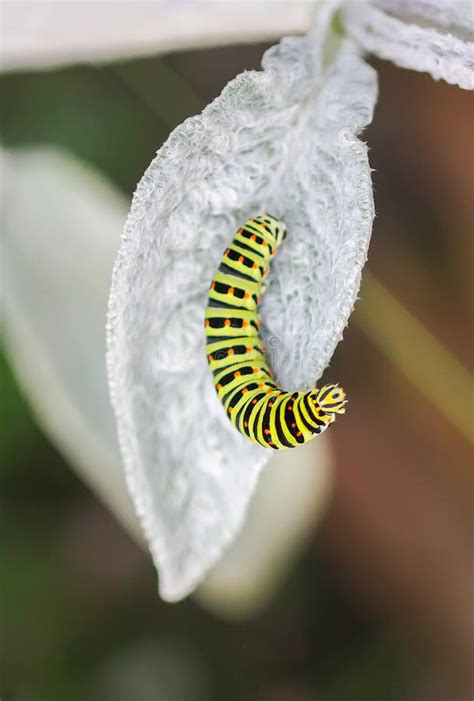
(282, 140)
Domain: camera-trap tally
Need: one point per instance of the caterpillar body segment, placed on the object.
(254, 403)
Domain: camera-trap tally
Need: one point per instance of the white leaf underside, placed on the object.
(423, 35)
(284, 141)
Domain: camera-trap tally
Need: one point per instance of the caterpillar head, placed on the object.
(329, 401)
(277, 228)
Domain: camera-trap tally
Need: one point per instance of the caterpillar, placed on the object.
(254, 403)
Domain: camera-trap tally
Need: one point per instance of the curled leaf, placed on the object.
(282, 140)
(424, 35)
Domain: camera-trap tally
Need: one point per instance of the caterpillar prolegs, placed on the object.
(254, 403)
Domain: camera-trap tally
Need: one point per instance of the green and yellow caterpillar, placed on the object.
(254, 403)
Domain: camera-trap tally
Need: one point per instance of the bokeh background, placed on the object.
(379, 606)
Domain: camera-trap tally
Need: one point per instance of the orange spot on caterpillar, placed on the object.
(246, 295)
(227, 251)
(255, 369)
(206, 322)
(299, 434)
(244, 324)
(219, 386)
(245, 390)
(254, 401)
(293, 425)
(254, 265)
(227, 322)
(253, 237)
(249, 349)
(266, 431)
(230, 409)
(211, 358)
(246, 423)
(237, 373)
(230, 351)
(269, 391)
(241, 259)
(230, 291)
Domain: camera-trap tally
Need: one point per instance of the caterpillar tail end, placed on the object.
(332, 400)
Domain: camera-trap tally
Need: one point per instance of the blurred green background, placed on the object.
(374, 610)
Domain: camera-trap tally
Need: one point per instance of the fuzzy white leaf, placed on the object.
(282, 140)
(61, 226)
(453, 15)
(45, 33)
(424, 35)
